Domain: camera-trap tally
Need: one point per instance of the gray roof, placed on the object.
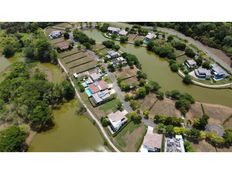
(96, 98)
(191, 62)
(203, 71)
(217, 69)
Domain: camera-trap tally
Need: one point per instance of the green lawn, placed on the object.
(130, 137)
(110, 105)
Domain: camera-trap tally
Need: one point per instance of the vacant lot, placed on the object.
(179, 53)
(131, 137)
(98, 47)
(182, 59)
(165, 107)
(84, 67)
(109, 106)
(69, 53)
(131, 37)
(203, 146)
(58, 40)
(148, 101)
(125, 73)
(132, 81)
(74, 57)
(217, 113)
(195, 111)
(79, 62)
(63, 25)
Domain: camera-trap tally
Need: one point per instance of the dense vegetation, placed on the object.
(111, 44)
(27, 96)
(216, 35)
(83, 39)
(12, 139)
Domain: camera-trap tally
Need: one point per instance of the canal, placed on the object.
(158, 70)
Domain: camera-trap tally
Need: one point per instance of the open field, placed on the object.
(182, 59)
(69, 53)
(79, 62)
(125, 73)
(179, 53)
(148, 101)
(131, 37)
(217, 113)
(58, 40)
(63, 25)
(109, 106)
(130, 137)
(98, 47)
(203, 146)
(165, 107)
(84, 67)
(74, 57)
(132, 81)
(194, 112)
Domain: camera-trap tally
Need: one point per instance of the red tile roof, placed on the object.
(93, 88)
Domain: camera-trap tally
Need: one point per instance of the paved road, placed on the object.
(90, 113)
(199, 45)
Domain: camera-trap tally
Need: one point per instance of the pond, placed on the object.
(158, 70)
(71, 133)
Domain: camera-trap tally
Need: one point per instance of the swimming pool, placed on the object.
(88, 92)
(85, 84)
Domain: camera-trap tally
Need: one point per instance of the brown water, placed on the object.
(158, 70)
(72, 133)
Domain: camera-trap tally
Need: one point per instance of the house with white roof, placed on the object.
(113, 30)
(150, 36)
(55, 34)
(191, 64)
(113, 54)
(152, 142)
(123, 32)
(117, 120)
(218, 72)
(202, 73)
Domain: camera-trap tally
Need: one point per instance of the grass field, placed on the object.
(69, 53)
(132, 81)
(84, 67)
(130, 137)
(74, 57)
(110, 105)
(79, 62)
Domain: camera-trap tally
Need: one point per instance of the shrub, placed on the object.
(104, 121)
(189, 52)
(8, 51)
(174, 67)
(187, 79)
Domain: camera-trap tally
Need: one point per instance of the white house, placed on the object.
(152, 141)
(123, 32)
(112, 54)
(117, 119)
(55, 34)
(150, 36)
(113, 30)
(191, 63)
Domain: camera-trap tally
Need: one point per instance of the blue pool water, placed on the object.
(88, 92)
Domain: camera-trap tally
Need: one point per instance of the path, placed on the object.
(90, 113)
(199, 45)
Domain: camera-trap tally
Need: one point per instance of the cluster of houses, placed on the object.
(115, 58)
(215, 71)
(152, 142)
(96, 88)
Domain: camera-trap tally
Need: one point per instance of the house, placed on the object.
(113, 30)
(123, 33)
(202, 73)
(117, 119)
(93, 88)
(150, 36)
(101, 96)
(174, 144)
(218, 72)
(95, 76)
(62, 46)
(151, 142)
(119, 61)
(191, 64)
(55, 34)
(102, 85)
(112, 54)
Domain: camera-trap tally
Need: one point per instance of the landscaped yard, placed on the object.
(110, 105)
(130, 137)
